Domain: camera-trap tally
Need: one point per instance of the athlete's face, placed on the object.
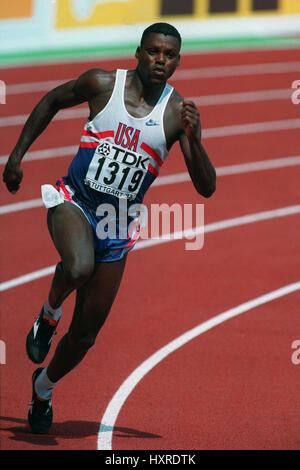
(158, 58)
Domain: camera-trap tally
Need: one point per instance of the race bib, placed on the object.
(116, 171)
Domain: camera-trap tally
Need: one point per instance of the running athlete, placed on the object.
(135, 118)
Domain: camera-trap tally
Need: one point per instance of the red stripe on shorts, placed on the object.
(66, 193)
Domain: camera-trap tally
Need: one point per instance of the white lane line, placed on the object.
(18, 281)
(221, 225)
(115, 405)
(21, 206)
(207, 100)
(18, 120)
(179, 178)
(237, 70)
(187, 74)
(69, 150)
(243, 97)
(212, 227)
(251, 128)
(233, 169)
(33, 87)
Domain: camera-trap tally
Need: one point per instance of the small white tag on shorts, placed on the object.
(51, 197)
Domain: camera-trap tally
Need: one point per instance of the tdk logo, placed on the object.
(122, 155)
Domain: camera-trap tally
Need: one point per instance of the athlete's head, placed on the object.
(161, 28)
(158, 54)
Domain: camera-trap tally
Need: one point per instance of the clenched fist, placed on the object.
(190, 118)
(12, 175)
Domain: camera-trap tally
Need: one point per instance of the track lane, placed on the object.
(207, 281)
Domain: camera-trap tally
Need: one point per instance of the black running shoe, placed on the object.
(40, 414)
(39, 338)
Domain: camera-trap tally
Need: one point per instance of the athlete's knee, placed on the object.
(83, 341)
(77, 273)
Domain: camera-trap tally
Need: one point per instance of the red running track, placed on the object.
(235, 385)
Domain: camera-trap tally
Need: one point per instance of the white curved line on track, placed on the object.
(188, 233)
(113, 409)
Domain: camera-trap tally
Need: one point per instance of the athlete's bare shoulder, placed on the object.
(95, 86)
(172, 118)
(94, 82)
(175, 101)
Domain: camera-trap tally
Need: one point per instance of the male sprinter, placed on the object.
(135, 118)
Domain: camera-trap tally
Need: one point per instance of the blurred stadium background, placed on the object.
(45, 30)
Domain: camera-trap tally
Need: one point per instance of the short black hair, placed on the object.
(161, 28)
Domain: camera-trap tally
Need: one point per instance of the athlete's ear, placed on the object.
(178, 60)
(137, 52)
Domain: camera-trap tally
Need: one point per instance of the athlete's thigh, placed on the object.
(71, 233)
(95, 299)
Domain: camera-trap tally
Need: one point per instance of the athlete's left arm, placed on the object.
(200, 168)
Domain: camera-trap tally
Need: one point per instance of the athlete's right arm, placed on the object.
(69, 94)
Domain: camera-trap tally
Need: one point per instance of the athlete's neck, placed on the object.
(148, 92)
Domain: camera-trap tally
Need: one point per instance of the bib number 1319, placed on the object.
(116, 171)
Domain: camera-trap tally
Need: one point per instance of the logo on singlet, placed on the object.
(103, 149)
(152, 123)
